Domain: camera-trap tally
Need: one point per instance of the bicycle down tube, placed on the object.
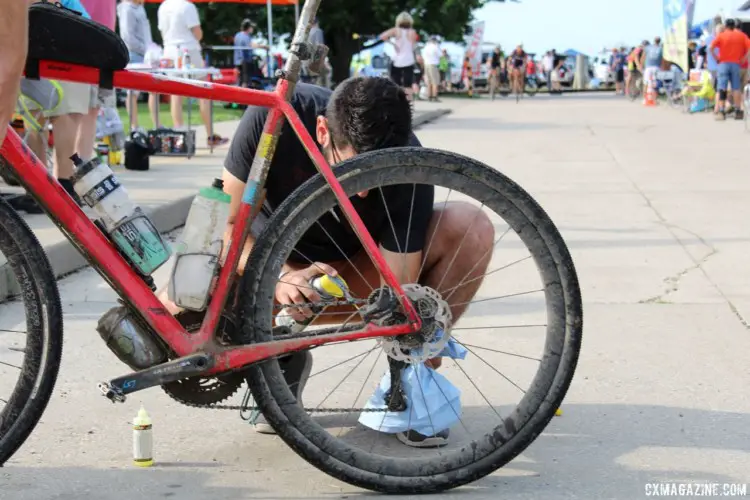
(97, 249)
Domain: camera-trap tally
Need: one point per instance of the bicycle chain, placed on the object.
(350, 302)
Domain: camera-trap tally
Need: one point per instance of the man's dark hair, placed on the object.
(246, 25)
(369, 113)
(730, 24)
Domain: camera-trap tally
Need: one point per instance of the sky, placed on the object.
(584, 25)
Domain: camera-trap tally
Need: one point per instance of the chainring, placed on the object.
(204, 391)
(431, 339)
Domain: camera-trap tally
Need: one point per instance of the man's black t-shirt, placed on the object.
(291, 167)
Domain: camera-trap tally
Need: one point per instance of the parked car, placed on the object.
(601, 68)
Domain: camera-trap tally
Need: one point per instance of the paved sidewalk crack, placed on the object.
(697, 264)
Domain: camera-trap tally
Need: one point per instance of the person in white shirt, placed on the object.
(403, 37)
(548, 64)
(431, 55)
(181, 33)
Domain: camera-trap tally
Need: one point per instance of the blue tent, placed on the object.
(698, 29)
(572, 53)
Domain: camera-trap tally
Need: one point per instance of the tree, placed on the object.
(340, 20)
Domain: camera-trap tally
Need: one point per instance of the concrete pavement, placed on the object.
(652, 204)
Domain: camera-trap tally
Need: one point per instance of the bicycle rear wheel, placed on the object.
(30, 346)
(355, 453)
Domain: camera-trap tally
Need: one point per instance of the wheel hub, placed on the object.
(434, 334)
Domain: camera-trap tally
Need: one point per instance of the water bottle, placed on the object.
(130, 229)
(186, 63)
(328, 287)
(143, 442)
(199, 249)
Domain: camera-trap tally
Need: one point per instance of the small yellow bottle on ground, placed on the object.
(143, 442)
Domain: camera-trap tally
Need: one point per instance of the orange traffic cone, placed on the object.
(650, 95)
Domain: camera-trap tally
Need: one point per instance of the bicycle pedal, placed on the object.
(111, 393)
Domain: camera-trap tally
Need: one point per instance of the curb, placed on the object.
(429, 116)
(65, 259)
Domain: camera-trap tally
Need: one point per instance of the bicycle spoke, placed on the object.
(432, 375)
(490, 365)
(453, 289)
(471, 381)
(424, 398)
(356, 269)
(497, 351)
(498, 297)
(408, 232)
(495, 327)
(437, 226)
(460, 245)
(17, 349)
(375, 435)
(390, 221)
(361, 389)
(343, 362)
(312, 263)
(8, 364)
(342, 381)
(3, 330)
(479, 260)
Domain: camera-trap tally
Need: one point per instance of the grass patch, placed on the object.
(221, 114)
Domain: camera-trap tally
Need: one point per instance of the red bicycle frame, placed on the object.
(105, 258)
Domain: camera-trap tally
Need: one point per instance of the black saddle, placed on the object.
(63, 35)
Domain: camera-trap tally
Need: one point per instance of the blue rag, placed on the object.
(433, 402)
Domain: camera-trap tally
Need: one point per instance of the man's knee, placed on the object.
(463, 222)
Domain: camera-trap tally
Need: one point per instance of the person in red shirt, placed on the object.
(731, 49)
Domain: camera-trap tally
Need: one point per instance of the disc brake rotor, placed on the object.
(431, 339)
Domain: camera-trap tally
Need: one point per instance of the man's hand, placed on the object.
(294, 288)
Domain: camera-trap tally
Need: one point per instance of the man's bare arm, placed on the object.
(14, 26)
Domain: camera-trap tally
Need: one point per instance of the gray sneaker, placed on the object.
(296, 369)
(417, 440)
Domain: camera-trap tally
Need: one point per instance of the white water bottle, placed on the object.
(143, 441)
(130, 229)
(186, 62)
(199, 249)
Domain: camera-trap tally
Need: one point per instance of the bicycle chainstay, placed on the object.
(245, 407)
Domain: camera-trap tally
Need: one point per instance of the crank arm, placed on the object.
(180, 368)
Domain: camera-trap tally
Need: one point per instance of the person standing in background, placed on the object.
(67, 120)
(244, 56)
(317, 37)
(734, 48)
(548, 64)
(617, 64)
(404, 38)
(431, 56)
(445, 70)
(181, 34)
(652, 57)
(712, 63)
(103, 12)
(135, 31)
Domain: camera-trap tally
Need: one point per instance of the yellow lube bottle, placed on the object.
(328, 287)
(143, 443)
